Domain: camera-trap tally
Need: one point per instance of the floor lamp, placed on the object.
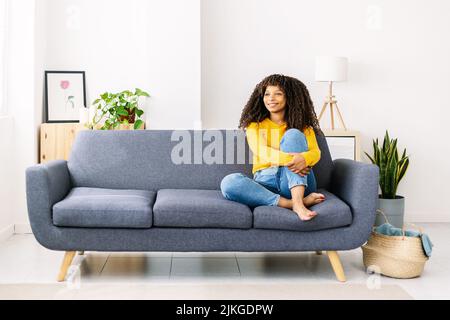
(331, 69)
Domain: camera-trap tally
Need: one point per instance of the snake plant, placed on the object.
(392, 167)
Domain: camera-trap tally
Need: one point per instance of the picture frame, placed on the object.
(65, 95)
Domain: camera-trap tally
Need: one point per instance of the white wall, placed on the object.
(398, 79)
(123, 44)
(6, 209)
(21, 103)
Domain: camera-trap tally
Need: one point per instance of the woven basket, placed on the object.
(394, 256)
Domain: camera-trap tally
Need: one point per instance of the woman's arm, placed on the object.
(258, 144)
(312, 156)
(301, 162)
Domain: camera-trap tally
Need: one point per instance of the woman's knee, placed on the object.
(294, 141)
(231, 183)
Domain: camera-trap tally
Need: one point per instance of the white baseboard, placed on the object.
(6, 233)
(22, 228)
(424, 218)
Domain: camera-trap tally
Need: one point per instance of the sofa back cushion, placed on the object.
(324, 168)
(166, 159)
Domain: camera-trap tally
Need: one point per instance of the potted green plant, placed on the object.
(392, 170)
(118, 108)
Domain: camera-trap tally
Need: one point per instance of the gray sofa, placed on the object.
(121, 191)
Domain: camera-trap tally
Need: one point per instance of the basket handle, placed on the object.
(379, 211)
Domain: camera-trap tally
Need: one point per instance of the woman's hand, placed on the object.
(298, 165)
(305, 172)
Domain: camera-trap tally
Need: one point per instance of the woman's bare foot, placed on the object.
(313, 198)
(285, 203)
(303, 213)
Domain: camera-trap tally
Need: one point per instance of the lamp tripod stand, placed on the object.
(332, 102)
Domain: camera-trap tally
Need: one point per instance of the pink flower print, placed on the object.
(65, 84)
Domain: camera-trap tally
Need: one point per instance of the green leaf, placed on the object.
(404, 153)
(138, 124)
(122, 112)
(391, 177)
(141, 93)
(392, 152)
(394, 181)
(370, 158)
(385, 142)
(139, 113)
(382, 166)
(404, 163)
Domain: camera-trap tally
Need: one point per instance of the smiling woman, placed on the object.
(281, 126)
(275, 100)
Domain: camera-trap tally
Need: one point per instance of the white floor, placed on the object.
(24, 261)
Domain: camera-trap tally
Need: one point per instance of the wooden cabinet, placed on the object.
(56, 139)
(344, 144)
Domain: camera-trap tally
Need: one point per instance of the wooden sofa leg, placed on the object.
(337, 265)
(68, 258)
(81, 253)
(319, 253)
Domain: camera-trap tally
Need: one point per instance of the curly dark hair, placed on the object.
(300, 112)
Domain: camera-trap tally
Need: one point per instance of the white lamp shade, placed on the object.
(331, 69)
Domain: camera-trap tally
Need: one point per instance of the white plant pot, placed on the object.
(394, 209)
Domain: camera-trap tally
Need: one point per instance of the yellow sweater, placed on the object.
(264, 140)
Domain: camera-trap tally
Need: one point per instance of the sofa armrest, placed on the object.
(46, 184)
(356, 183)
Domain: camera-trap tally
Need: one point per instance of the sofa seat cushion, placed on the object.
(105, 208)
(332, 213)
(199, 209)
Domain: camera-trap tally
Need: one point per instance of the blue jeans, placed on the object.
(268, 185)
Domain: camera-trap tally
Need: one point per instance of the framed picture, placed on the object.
(65, 94)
